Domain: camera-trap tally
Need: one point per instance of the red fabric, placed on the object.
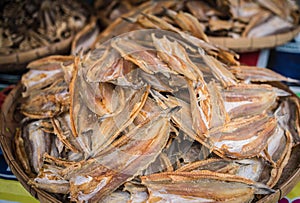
(249, 58)
(4, 93)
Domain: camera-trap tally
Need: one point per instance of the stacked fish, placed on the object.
(109, 11)
(153, 115)
(229, 18)
(32, 29)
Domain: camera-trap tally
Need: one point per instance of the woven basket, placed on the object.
(245, 44)
(10, 120)
(17, 61)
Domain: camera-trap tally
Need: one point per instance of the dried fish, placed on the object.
(188, 22)
(62, 128)
(200, 106)
(103, 176)
(108, 132)
(37, 143)
(158, 120)
(257, 74)
(34, 29)
(49, 179)
(247, 168)
(219, 116)
(273, 25)
(143, 57)
(202, 186)
(176, 57)
(239, 99)
(138, 193)
(243, 137)
(21, 153)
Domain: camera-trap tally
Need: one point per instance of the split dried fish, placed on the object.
(201, 186)
(201, 19)
(155, 120)
(35, 29)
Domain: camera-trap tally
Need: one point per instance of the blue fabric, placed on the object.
(285, 59)
(5, 171)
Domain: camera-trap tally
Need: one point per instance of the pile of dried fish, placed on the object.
(229, 18)
(151, 116)
(245, 18)
(108, 11)
(28, 25)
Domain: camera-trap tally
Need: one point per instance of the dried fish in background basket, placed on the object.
(151, 116)
(109, 11)
(241, 25)
(33, 29)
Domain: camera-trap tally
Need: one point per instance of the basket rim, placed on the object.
(244, 44)
(20, 57)
(23, 178)
(44, 196)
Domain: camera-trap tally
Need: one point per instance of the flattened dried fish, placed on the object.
(205, 133)
(257, 19)
(273, 25)
(199, 9)
(107, 133)
(48, 102)
(219, 70)
(176, 57)
(188, 23)
(134, 152)
(246, 168)
(101, 64)
(201, 186)
(49, 179)
(145, 58)
(38, 143)
(138, 193)
(182, 118)
(21, 152)
(257, 74)
(243, 137)
(248, 99)
(219, 116)
(62, 128)
(200, 106)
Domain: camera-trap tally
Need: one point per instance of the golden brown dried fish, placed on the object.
(257, 19)
(143, 57)
(49, 179)
(248, 99)
(244, 137)
(138, 193)
(220, 71)
(37, 143)
(176, 57)
(200, 106)
(199, 9)
(137, 149)
(201, 186)
(257, 74)
(110, 128)
(62, 129)
(182, 118)
(278, 151)
(21, 152)
(204, 126)
(219, 116)
(188, 22)
(47, 102)
(272, 25)
(247, 168)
